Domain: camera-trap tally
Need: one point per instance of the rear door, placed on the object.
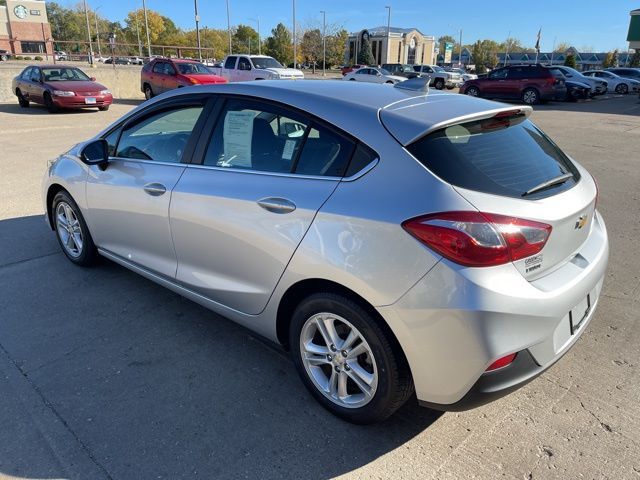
(156, 77)
(238, 217)
(230, 68)
(129, 201)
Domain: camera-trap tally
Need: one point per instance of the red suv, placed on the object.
(528, 83)
(164, 74)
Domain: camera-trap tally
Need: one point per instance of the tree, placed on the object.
(311, 45)
(156, 25)
(570, 61)
(635, 59)
(446, 39)
(336, 47)
(365, 56)
(245, 38)
(485, 54)
(278, 45)
(562, 47)
(610, 59)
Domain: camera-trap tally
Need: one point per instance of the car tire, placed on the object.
(71, 231)
(352, 79)
(389, 82)
(438, 84)
(48, 102)
(530, 96)
(450, 88)
(622, 88)
(148, 92)
(104, 108)
(23, 102)
(329, 371)
(472, 91)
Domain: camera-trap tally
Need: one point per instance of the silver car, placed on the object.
(394, 241)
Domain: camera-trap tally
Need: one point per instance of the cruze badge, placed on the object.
(582, 221)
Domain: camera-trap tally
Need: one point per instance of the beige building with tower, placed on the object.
(24, 28)
(393, 45)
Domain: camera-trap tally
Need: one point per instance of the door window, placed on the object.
(158, 67)
(162, 137)
(230, 63)
(498, 74)
(35, 74)
(26, 75)
(244, 64)
(255, 136)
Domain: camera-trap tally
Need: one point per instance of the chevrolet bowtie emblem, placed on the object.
(582, 221)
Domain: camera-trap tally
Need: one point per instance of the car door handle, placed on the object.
(155, 189)
(277, 205)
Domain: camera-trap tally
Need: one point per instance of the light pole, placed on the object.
(295, 51)
(138, 34)
(95, 14)
(86, 15)
(324, 43)
(195, 7)
(259, 37)
(146, 27)
(229, 28)
(388, 33)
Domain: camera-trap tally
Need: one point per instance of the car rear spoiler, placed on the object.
(416, 84)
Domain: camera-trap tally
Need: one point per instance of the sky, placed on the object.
(582, 23)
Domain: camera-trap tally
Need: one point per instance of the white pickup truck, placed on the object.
(439, 77)
(242, 68)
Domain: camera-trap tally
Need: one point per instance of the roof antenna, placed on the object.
(416, 84)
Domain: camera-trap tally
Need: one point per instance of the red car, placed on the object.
(60, 87)
(164, 74)
(529, 84)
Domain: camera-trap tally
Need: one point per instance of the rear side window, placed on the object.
(230, 62)
(505, 157)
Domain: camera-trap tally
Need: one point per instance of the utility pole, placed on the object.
(295, 50)
(146, 26)
(324, 43)
(259, 37)
(138, 34)
(388, 32)
(195, 6)
(86, 15)
(229, 28)
(460, 51)
(506, 54)
(95, 14)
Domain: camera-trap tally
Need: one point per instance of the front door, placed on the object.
(496, 84)
(129, 201)
(239, 216)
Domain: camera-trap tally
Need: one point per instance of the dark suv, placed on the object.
(632, 73)
(401, 70)
(528, 83)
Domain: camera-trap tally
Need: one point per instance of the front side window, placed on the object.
(158, 67)
(161, 137)
(35, 74)
(254, 136)
(497, 74)
(244, 64)
(26, 74)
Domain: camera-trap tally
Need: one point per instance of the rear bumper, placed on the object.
(456, 321)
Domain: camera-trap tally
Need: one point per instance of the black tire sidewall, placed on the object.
(89, 253)
(379, 407)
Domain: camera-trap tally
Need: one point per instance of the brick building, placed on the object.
(24, 28)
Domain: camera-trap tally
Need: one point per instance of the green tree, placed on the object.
(66, 24)
(278, 45)
(311, 45)
(610, 59)
(365, 56)
(570, 61)
(447, 39)
(245, 38)
(635, 59)
(485, 54)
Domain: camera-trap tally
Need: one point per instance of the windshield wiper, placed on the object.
(549, 183)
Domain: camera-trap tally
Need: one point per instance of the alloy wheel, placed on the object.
(338, 360)
(530, 97)
(69, 229)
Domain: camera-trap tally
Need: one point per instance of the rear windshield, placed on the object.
(506, 157)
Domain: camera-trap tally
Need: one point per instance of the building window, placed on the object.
(352, 52)
(374, 50)
(32, 47)
(400, 52)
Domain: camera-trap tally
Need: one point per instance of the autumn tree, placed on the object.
(135, 21)
(562, 47)
(485, 54)
(610, 59)
(311, 45)
(278, 45)
(635, 59)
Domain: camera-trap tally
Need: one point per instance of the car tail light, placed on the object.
(502, 362)
(476, 239)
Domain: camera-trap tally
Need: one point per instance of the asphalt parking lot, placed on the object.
(105, 375)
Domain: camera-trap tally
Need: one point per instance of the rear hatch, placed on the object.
(503, 164)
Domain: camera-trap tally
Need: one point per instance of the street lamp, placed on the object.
(95, 14)
(259, 37)
(388, 32)
(195, 6)
(86, 15)
(229, 28)
(324, 43)
(460, 48)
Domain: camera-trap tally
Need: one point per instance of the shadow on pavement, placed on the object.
(153, 385)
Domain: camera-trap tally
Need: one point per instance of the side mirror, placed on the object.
(96, 153)
(93, 79)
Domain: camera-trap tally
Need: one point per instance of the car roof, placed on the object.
(358, 107)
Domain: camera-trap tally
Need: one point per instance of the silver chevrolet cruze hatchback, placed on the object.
(395, 241)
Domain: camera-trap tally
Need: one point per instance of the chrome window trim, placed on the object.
(150, 162)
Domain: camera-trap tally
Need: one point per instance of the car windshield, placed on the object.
(64, 74)
(192, 68)
(574, 71)
(266, 62)
(384, 72)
